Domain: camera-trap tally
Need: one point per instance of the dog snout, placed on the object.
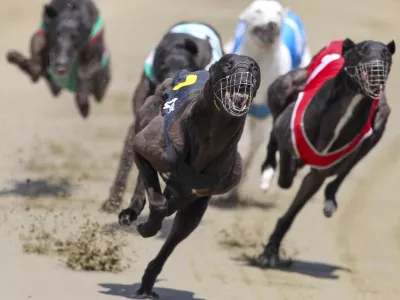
(60, 65)
(272, 26)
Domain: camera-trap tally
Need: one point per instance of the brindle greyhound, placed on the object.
(188, 133)
(345, 119)
(69, 51)
(195, 49)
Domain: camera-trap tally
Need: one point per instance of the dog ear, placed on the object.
(347, 45)
(191, 46)
(246, 15)
(392, 47)
(50, 12)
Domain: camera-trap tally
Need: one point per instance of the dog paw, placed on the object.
(141, 294)
(126, 217)
(84, 110)
(330, 206)
(266, 178)
(148, 229)
(14, 57)
(110, 206)
(269, 258)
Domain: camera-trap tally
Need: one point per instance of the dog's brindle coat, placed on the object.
(332, 101)
(175, 51)
(209, 135)
(68, 26)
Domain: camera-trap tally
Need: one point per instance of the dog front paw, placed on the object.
(14, 57)
(126, 217)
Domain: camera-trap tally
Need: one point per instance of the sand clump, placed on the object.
(91, 248)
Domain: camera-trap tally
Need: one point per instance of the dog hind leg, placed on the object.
(126, 162)
(309, 186)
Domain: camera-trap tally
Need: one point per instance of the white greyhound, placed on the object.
(274, 37)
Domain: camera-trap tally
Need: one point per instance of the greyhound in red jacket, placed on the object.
(328, 116)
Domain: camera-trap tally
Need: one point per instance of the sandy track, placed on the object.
(355, 255)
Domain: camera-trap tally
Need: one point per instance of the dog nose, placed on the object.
(272, 26)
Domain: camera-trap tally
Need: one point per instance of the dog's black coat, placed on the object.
(175, 51)
(68, 24)
(208, 136)
(324, 113)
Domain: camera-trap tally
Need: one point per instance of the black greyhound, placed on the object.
(69, 51)
(329, 117)
(187, 45)
(188, 133)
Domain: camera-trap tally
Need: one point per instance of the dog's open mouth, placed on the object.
(240, 101)
(235, 92)
(61, 70)
(265, 34)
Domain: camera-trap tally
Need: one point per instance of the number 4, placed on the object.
(170, 105)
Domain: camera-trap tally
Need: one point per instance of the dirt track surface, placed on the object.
(71, 163)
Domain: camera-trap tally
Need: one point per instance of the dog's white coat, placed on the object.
(274, 60)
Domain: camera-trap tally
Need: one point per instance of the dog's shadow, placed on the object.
(128, 291)
(46, 187)
(308, 268)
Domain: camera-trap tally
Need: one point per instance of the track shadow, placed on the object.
(128, 291)
(39, 188)
(236, 202)
(308, 268)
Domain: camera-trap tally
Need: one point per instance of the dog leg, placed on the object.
(138, 201)
(113, 203)
(101, 82)
(330, 203)
(310, 185)
(32, 67)
(287, 169)
(16, 58)
(269, 166)
(37, 47)
(157, 203)
(81, 97)
(186, 221)
(54, 88)
(379, 124)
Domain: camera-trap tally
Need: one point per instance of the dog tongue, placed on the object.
(240, 99)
